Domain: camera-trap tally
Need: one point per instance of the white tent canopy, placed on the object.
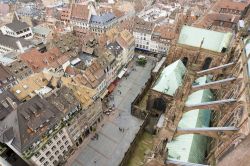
(122, 72)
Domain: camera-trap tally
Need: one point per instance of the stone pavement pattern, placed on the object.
(112, 144)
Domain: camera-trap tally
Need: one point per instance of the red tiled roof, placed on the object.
(122, 42)
(94, 74)
(209, 19)
(80, 11)
(59, 61)
(230, 4)
(37, 61)
(118, 13)
(165, 31)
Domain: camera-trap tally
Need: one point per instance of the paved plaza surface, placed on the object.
(113, 143)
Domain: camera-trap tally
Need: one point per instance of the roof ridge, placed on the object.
(15, 17)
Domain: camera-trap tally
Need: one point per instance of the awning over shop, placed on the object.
(120, 75)
(111, 87)
(104, 94)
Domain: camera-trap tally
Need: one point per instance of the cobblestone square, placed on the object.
(112, 143)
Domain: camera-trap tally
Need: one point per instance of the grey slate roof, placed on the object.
(17, 25)
(4, 73)
(6, 103)
(86, 58)
(5, 77)
(64, 100)
(35, 113)
(10, 42)
(102, 19)
(114, 48)
(7, 135)
(19, 69)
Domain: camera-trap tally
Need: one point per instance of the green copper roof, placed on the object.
(214, 41)
(170, 78)
(190, 147)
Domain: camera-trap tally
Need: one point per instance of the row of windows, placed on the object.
(47, 163)
(50, 142)
(141, 46)
(29, 34)
(51, 158)
(146, 47)
(81, 24)
(142, 41)
(47, 154)
(10, 33)
(4, 49)
(25, 30)
(226, 10)
(97, 30)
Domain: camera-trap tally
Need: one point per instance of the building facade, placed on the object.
(152, 37)
(17, 29)
(86, 17)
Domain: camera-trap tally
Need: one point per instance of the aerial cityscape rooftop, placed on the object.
(124, 82)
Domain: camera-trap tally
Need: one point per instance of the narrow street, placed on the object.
(116, 131)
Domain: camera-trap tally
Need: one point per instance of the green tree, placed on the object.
(142, 61)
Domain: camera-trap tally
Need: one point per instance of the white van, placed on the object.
(141, 57)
